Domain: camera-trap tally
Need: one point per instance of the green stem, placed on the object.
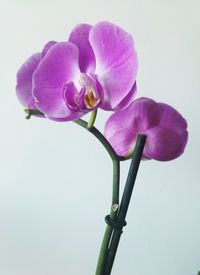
(91, 129)
(31, 112)
(92, 119)
(116, 179)
(115, 193)
(113, 213)
(101, 138)
(126, 197)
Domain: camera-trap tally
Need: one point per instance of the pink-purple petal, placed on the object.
(123, 104)
(165, 128)
(123, 141)
(116, 60)
(80, 37)
(47, 47)
(144, 113)
(116, 122)
(171, 119)
(164, 144)
(128, 99)
(139, 116)
(24, 81)
(25, 77)
(59, 66)
(71, 115)
(71, 96)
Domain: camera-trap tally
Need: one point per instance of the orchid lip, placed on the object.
(71, 96)
(82, 95)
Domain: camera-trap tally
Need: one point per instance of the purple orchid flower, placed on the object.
(96, 68)
(165, 128)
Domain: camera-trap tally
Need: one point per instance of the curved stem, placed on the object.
(116, 179)
(113, 213)
(115, 194)
(100, 137)
(88, 127)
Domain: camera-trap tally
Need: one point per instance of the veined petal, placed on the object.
(123, 141)
(164, 144)
(71, 115)
(47, 47)
(24, 81)
(116, 122)
(128, 99)
(142, 114)
(164, 127)
(80, 37)
(25, 77)
(171, 119)
(71, 96)
(116, 60)
(123, 104)
(58, 67)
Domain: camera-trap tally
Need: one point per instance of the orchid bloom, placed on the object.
(96, 68)
(165, 128)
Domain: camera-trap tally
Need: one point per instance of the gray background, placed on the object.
(55, 180)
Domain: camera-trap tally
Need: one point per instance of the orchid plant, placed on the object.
(96, 68)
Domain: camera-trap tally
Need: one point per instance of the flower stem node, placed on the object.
(115, 207)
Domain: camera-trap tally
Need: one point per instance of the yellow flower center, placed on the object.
(90, 100)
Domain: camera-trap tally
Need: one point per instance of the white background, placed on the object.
(55, 179)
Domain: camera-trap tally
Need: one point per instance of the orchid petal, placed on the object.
(164, 144)
(71, 115)
(71, 96)
(128, 99)
(80, 37)
(171, 119)
(124, 103)
(143, 113)
(74, 100)
(25, 75)
(116, 60)
(58, 67)
(47, 47)
(24, 81)
(123, 141)
(164, 127)
(139, 116)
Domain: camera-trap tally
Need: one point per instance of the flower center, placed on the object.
(83, 95)
(90, 99)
